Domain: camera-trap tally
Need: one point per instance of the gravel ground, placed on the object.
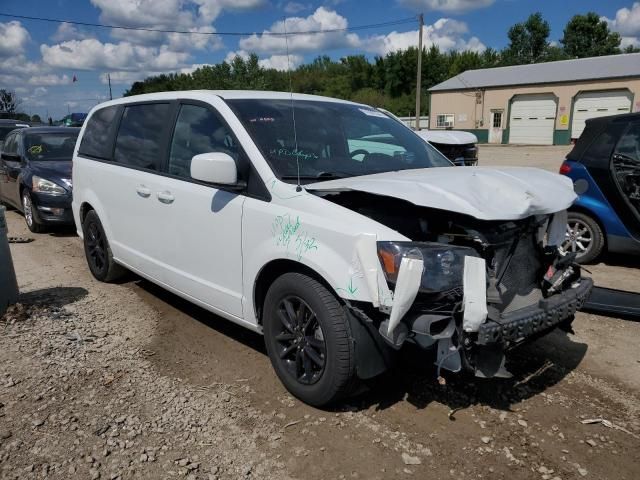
(129, 381)
(548, 158)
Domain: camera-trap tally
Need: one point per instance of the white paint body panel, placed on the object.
(448, 137)
(598, 104)
(532, 120)
(209, 245)
(486, 193)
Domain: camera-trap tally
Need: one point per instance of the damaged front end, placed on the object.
(472, 289)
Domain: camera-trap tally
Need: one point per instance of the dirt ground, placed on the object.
(129, 381)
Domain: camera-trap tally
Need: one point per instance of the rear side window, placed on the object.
(95, 141)
(629, 145)
(140, 138)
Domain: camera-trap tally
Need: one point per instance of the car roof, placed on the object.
(624, 117)
(36, 130)
(11, 121)
(225, 94)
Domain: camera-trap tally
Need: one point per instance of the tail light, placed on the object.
(565, 168)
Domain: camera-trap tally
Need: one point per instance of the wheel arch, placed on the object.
(275, 268)
(85, 208)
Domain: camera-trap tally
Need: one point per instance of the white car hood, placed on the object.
(448, 137)
(506, 193)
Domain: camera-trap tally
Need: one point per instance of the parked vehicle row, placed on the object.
(328, 227)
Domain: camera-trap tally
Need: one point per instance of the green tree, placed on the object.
(588, 36)
(9, 101)
(528, 41)
(36, 118)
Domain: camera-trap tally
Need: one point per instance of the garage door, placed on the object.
(598, 104)
(532, 119)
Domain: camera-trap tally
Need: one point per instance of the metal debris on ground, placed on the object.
(20, 239)
(608, 424)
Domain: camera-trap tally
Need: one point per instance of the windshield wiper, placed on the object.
(320, 176)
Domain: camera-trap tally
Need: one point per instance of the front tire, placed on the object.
(30, 215)
(98, 251)
(308, 338)
(584, 237)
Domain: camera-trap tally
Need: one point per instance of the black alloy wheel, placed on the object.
(308, 337)
(97, 250)
(301, 342)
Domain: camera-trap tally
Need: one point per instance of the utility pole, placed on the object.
(109, 79)
(419, 82)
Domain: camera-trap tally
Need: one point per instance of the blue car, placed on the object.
(605, 168)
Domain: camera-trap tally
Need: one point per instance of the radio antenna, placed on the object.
(293, 109)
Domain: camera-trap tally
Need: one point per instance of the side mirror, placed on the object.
(214, 167)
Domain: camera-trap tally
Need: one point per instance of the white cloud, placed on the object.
(281, 62)
(193, 67)
(49, 79)
(277, 62)
(125, 78)
(238, 53)
(291, 8)
(91, 54)
(627, 21)
(67, 31)
(321, 19)
(445, 33)
(13, 38)
(448, 6)
(627, 24)
(630, 42)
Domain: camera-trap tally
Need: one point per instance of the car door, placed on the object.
(127, 183)
(200, 237)
(11, 168)
(625, 170)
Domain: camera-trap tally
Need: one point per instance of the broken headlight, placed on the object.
(443, 264)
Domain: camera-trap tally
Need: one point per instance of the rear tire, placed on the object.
(309, 341)
(30, 215)
(98, 251)
(584, 237)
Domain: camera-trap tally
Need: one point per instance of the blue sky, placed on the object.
(38, 60)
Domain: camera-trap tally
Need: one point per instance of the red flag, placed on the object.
(74, 80)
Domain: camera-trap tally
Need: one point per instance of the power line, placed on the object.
(239, 34)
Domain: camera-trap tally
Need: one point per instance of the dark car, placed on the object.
(7, 125)
(74, 120)
(35, 174)
(605, 168)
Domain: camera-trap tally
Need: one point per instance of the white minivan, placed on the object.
(328, 227)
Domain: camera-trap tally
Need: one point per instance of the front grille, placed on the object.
(519, 286)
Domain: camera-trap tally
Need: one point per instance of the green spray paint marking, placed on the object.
(351, 289)
(285, 229)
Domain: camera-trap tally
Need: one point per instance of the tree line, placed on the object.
(390, 81)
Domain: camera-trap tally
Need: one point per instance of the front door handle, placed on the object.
(143, 191)
(165, 197)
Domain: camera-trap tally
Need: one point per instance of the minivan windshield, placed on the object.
(50, 146)
(331, 139)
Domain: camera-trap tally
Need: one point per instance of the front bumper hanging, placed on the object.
(515, 327)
